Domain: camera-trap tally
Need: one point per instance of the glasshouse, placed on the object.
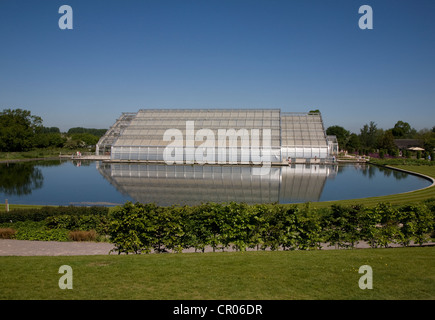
(234, 136)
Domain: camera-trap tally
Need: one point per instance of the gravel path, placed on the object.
(57, 248)
(52, 248)
(10, 247)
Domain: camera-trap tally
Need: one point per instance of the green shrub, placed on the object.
(132, 229)
(388, 229)
(40, 214)
(343, 227)
(78, 222)
(54, 223)
(136, 228)
(369, 222)
(423, 223)
(31, 230)
(309, 224)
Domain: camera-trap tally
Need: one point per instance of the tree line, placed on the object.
(373, 139)
(22, 131)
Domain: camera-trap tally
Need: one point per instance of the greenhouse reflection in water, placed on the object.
(188, 185)
(57, 182)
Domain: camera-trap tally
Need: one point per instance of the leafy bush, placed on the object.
(54, 223)
(342, 223)
(136, 228)
(39, 214)
(31, 230)
(78, 222)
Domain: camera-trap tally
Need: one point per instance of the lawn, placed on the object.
(396, 199)
(399, 273)
(41, 153)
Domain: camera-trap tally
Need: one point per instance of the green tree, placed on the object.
(50, 130)
(96, 132)
(369, 135)
(386, 141)
(45, 140)
(17, 129)
(80, 140)
(353, 143)
(401, 129)
(341, 133)
(85, 139)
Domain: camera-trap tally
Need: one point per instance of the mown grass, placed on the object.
(19, 206)
(41, 153)
(395, 199)
(399, 273)
(29, 206)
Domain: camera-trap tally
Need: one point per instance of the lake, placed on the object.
(65, 182)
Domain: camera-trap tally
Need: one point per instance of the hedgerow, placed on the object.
(38, 231)
(40, 214)
(55, 223)
(136, 228)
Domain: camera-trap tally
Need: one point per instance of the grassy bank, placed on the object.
(401, 273)
(43, 153)
(19, 206)
(33, 154)
(395, 199)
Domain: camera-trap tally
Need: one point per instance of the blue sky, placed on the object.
(291, 54)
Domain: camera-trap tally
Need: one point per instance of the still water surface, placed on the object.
(95, 183)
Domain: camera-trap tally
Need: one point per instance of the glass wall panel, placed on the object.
(289, 131)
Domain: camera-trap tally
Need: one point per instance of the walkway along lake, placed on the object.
(66, 182)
